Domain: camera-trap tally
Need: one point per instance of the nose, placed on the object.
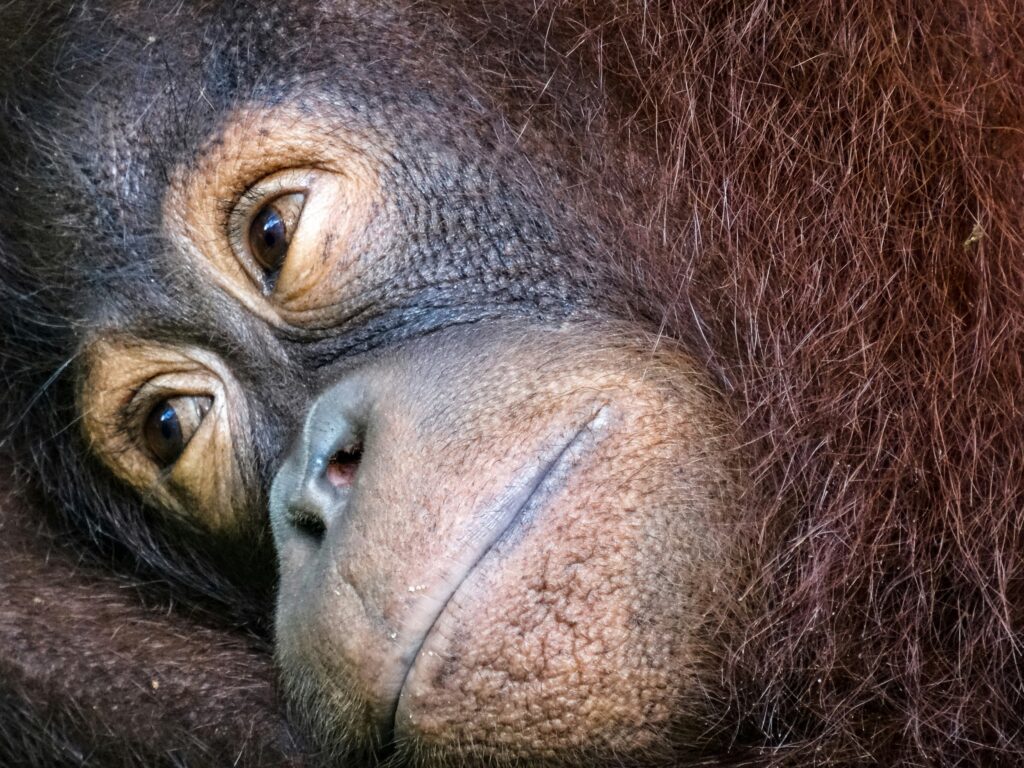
(312, 489)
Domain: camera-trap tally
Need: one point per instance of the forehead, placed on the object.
(133, 94)
(139, 90)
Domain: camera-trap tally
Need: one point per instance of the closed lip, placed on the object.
(523, 498)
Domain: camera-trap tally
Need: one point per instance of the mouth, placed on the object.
(499, 520)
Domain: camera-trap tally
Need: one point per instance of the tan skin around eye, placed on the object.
(321, 263)
(204, 485)
(280, 155)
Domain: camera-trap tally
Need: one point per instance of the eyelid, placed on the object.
(189, 413)
(290, 205)
(295, 142)
(123, 378)
(165, 386)
(252, 201)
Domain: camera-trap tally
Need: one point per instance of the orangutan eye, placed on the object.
(271, 231)
(171, 425)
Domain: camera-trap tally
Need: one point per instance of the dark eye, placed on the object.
(271, 230)
(171, 425)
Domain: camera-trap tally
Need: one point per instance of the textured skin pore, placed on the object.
(821, 201)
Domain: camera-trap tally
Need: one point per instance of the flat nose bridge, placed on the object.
(301, 495)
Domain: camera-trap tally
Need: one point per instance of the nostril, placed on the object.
(343, 465)
(314, 486)
(322, 492)
(309, 523)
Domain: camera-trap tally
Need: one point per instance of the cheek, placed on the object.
(577, 631)
(525, 566)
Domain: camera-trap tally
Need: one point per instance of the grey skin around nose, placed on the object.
(302, 498)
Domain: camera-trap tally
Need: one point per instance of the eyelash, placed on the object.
(144, 398)
(229, 204)
(237, 211)
(250, 200)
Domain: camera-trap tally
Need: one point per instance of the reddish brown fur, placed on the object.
(842, 183)
(115, 682)
(839, 187)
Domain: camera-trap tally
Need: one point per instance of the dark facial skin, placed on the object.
(326, 294)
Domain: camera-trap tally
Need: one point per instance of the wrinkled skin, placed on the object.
(579, 384)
